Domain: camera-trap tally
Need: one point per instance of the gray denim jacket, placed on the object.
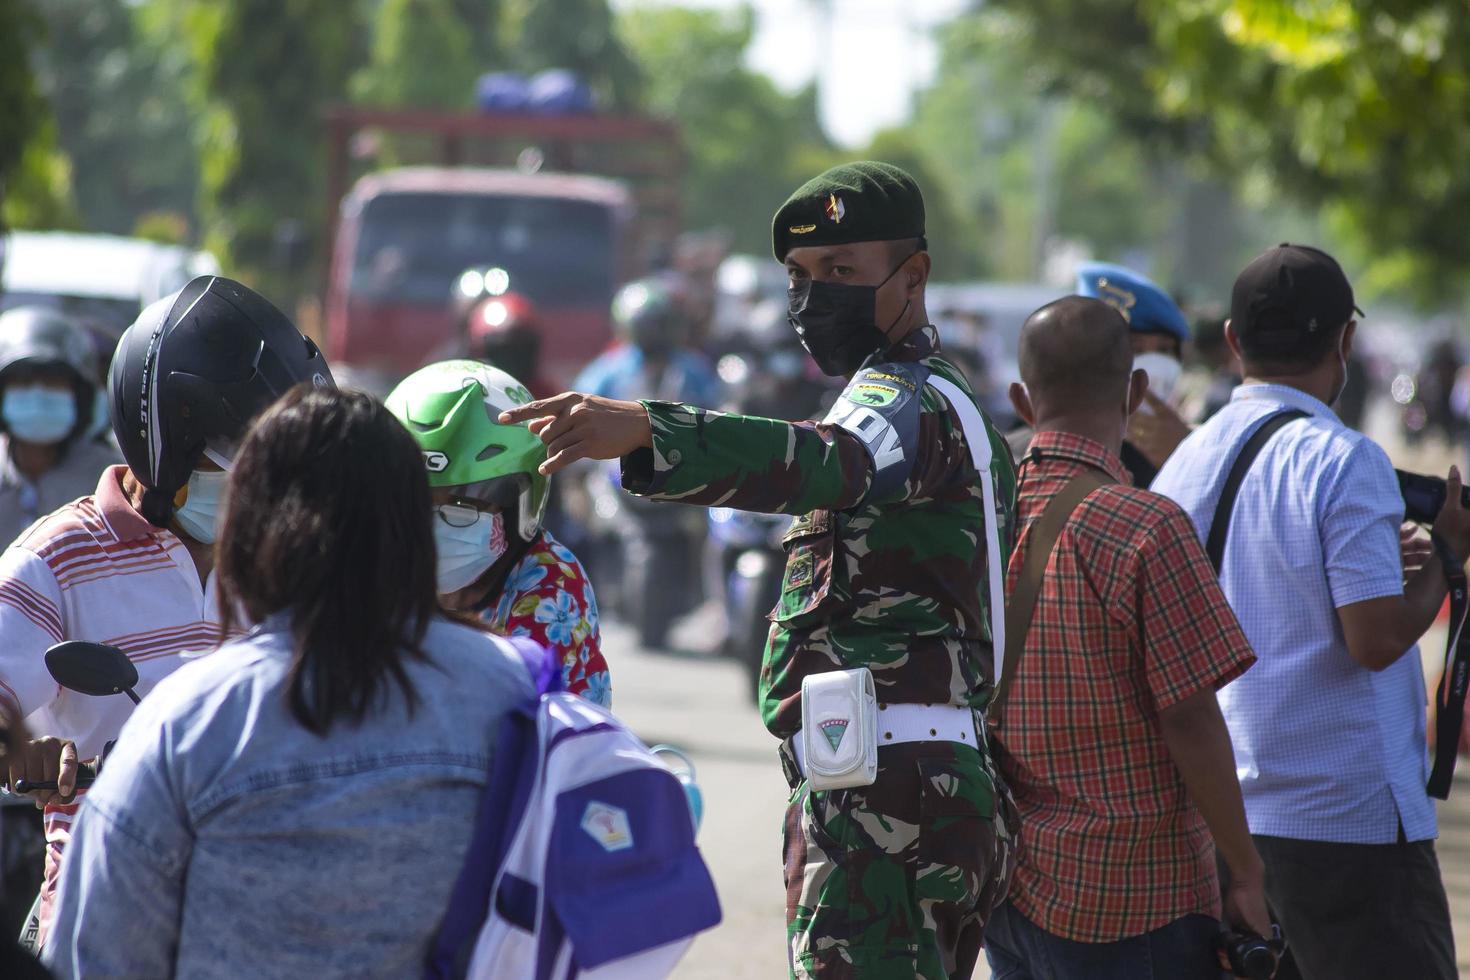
(225, 840)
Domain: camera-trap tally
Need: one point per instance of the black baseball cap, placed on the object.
(1288, 292)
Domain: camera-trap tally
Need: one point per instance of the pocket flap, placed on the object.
(808, 526)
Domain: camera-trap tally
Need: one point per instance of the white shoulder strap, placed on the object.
(977, 435)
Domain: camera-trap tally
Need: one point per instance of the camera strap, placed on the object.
(1455, 681)
(1225, 510)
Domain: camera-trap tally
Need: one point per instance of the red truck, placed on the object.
(565, 238)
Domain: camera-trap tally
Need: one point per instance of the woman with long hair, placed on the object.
(299, 802)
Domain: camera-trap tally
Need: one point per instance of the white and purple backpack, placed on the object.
(583, 864)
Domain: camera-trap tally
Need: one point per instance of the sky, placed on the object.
(869, 57)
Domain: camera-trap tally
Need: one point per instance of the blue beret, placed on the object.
(1146, 307)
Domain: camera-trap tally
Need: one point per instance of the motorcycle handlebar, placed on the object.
(86, 776)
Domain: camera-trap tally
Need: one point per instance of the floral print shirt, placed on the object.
(547, 597)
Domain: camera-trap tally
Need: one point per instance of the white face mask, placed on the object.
(199, 516)
(466, 552)
(1163, 372)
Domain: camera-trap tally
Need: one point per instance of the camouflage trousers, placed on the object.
(897, 879)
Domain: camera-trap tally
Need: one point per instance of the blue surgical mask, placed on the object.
(199, 516)
(39, 414)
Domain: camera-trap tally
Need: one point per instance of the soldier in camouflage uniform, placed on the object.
(887, 568)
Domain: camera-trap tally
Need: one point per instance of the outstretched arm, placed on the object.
(688, 454)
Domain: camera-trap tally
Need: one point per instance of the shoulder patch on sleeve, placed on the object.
(880, 406)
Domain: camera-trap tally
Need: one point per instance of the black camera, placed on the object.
(1251, 955)
(1424, 496)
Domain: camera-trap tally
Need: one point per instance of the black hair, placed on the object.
(1274, 345)
(329, 517)
(902, 249)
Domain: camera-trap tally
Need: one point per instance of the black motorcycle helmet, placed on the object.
(192, 372)
(647, 315)
(35, 337)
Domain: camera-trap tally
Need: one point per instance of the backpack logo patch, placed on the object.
(834, 729)
(608, 825)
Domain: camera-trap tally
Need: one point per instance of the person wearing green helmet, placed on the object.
(495, 559)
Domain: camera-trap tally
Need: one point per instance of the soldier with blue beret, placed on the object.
(1158, 331)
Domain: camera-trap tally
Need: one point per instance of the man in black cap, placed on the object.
(1329, 726)
(886, 641)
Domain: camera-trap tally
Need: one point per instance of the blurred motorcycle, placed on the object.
(752, 561)
(645, 556)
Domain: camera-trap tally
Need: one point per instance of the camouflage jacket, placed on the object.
(891, 577)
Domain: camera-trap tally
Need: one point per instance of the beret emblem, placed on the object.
(836, 210)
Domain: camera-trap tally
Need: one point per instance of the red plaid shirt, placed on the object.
(1130, 620)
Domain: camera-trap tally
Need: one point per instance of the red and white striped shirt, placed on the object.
(95, 570)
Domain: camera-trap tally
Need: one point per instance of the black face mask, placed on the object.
(836, 322)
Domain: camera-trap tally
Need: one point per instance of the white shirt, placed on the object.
(1325, 748)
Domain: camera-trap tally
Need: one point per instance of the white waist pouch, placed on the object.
(839, 729)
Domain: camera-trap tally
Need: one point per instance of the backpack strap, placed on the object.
(977, 436)
(542, 663)
(1042, 541)
(1224, 511)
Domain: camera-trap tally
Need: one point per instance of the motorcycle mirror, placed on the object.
(92, 668)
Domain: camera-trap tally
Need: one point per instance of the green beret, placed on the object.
(856, 202)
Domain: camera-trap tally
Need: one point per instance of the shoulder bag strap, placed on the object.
(1224, 511)
(1454, 683)
(977, 436)
(1041, 542)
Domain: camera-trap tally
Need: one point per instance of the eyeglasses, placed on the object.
(458, 514)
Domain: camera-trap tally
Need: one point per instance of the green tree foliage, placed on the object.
(425, 54)
(1023, 164)
(121, 116)
(34, 180)
(748, 144)
(38, 193)
(1356, 107)
(263, 72)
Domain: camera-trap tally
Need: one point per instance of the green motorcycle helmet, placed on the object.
(451, 408)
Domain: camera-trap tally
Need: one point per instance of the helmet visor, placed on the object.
(501, 491)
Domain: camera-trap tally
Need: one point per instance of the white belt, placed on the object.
(914, 723)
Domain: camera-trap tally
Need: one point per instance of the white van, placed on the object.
(103, 280)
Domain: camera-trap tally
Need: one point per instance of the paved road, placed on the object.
(699, 704)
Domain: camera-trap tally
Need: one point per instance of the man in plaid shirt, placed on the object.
(1112, 741)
